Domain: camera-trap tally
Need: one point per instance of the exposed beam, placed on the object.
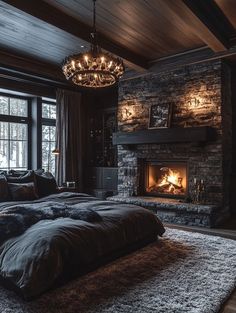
(195, 56)
(206, 20)
(190, 57)
(17, 85)
(214, 19)
(28, 70)
(182, 59)
(24, 77)
(57, 18)
(31, 66)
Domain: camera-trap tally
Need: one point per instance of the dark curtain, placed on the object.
(69, 130)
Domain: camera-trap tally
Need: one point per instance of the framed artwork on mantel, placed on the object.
(160, 115)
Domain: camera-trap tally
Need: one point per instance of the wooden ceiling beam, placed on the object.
(26, 69)
(27, 87)
(195, 56)
(176, 61)
(31, 67)
(51, 15)
(206, 20)
(209, 13)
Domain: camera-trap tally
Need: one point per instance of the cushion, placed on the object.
(22, 191)
(4, 195)
(46, 184)
(17, 173)
(27, 177)
(39, 171)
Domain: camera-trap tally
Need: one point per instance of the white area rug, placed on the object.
(182, 272)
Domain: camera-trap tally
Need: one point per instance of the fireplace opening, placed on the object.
(166, 179)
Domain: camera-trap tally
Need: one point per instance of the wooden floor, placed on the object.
(230, 305)
(227, 230)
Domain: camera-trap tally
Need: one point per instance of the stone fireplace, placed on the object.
(200, 96)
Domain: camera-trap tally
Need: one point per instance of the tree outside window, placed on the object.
(13, 133)
(48, 136)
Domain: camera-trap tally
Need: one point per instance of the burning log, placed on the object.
(175, 186)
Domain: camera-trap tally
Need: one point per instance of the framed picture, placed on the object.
(160, 115)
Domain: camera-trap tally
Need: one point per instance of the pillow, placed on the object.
(22, 191)
(17, 173)
(28, 177)
(46, 184)
(39, 171)
(4, 195)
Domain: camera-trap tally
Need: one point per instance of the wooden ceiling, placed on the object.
(147, 34)
(149, 28)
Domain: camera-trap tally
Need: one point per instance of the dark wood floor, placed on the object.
(230, 305)
(227, 230)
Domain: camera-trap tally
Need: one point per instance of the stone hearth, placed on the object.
(200, 96)
(174, 211)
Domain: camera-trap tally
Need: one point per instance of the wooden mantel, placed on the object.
(165, 135)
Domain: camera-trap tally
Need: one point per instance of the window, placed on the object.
(27, 132)
(48, 135)
(14, 128)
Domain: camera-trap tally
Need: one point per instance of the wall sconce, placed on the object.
(127, 113)
(194, 102)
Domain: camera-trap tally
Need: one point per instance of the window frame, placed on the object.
(34, 121)
(46, 122)
(27, 120)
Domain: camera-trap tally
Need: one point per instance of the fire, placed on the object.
(170, 182)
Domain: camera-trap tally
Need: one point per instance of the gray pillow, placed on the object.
(17, 173)
(22, 191)
(28, 177)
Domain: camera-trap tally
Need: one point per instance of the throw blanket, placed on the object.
(15, 220)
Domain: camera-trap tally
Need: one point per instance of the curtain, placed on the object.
(69, 137)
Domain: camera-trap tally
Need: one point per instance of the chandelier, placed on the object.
(93, 69)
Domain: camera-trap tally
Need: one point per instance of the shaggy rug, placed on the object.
(182, 272)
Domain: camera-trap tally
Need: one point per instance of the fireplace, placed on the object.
(165, 178)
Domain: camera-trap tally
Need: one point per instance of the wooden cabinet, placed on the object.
(102, 173)
(101, 125)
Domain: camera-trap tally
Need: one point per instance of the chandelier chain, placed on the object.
(94, 16)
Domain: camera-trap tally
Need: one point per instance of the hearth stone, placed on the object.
(175, 211)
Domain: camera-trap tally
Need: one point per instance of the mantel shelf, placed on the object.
(165, 135)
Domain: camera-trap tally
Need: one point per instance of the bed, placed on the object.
(45, 242)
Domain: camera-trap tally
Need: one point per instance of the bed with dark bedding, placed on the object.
(47, 241)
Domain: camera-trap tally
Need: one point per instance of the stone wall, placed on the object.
(198, 98)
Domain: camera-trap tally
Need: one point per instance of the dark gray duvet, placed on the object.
(62, 234)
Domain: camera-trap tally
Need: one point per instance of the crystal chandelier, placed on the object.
(93, 69)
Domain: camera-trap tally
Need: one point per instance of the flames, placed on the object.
(169, 182)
